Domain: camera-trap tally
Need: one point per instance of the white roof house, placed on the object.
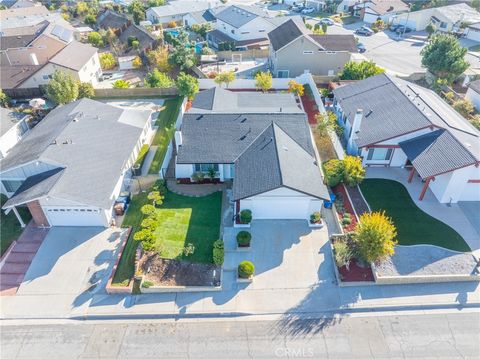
(71, 167)
(176, 10)
(13, 126)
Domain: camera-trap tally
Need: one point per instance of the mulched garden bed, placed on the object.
(341, 196)
(356, 273)
(172, 272)
(203, 181)
(310, 107)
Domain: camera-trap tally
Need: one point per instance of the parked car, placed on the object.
(361, 48)
(326, 21)
(297, 8)
(308, 10)
(364, 31)
(402, 29)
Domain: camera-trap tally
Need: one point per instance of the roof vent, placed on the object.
(369, 113)
(468, 144)
(285, 148)
(54, 142)
(242, 121)
(199, 117)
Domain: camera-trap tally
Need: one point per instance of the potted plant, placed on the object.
(243, 239)
(315, 219)
(212, 173)
(246, 269)
(198, 177)
(245, 216)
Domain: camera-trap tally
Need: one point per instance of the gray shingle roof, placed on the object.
(113, 20)
(336, 42)
(220, 100)
(238, 15)
(435, 153)
(34, 187)
(8, 119)
(74, 56)
(275, 160)
(475, 86)
(179, 8)
(91, 140)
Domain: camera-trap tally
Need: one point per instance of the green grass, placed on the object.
(9, 226)
(413, 225)
(166, 128)
(184, 220)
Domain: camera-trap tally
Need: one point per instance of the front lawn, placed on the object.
(9, 226)
(166, 128)
(182, 220)
(413, 225)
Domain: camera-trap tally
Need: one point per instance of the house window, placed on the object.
(46, 77)
(261, 30)
(204, 167)
(379, 154)
(308, 52)
(283, 74)
(443, 25)
(11, 185)
(233, 31)
(245, 32)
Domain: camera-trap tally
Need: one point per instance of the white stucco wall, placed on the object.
(474, 97)
(255, 29)
(183, 170)
(12, 136)
(453, 186)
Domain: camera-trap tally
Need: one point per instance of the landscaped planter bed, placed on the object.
(203, 181)
(176, 273)
(340, 192)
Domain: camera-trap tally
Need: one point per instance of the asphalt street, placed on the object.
(408, 336)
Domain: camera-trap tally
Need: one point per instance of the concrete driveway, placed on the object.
(72, 260)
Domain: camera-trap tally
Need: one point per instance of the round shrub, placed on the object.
(246, 216)
(244, 238)
(246, 269)
(315, 217)
(346, 215)
(346, 220)
(334, 172)
(218, 252)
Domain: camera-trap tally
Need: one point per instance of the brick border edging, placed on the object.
(114, 289)
(5, 255)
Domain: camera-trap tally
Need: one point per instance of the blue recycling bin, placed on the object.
(328, 204)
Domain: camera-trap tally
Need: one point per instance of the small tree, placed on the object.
(476, 4)
(159, 59)
(121, 84)
(444, 57)
(324, 28)
(137, 62)
(360, 70)
(353, 171)
(430, 29)
(90, 19)
(158, 79)
(95, 39)
(218, 252)
(295, 88)
(375, 236)
(225, 78)
(155, 197)
(464, 107)
(4, 99)
(171, 24)
(343, 253)
(263, 81)
(187, 85)
(333, 171)
(107, 61)
(183, 52)
(137, 10)
(149, 223)
(85, 90)
(62, 88)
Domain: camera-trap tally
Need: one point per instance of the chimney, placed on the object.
(34, 59)
(357, 121)
(178, 139)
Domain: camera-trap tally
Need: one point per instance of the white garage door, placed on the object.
(471, 192)
(280, 208)
(75, 217)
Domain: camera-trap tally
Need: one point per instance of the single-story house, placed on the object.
(261, 142)
(201, 17)
(394, 123)
(347, 6)
(295, 50)
(445, 18)
(386, 10)
(110, 19)
(473, 93)
(176, 10)
(71, 167)
(145, 40)
(13, 126)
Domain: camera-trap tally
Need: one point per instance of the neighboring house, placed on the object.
(176, 10)
(386, 10)
(260, 141)
(71, 167)
(78, 59)
(146, 40)
(201, 17)
(24, 4)
(347, 6)
(472, 32)
(393, 123)
(112, 20)
(445, 18)
(294, 50)
(473, 93)
(13, 126)
(242, 27)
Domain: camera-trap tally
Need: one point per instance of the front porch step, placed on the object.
(20, 257)
(11, 279)
(26, 247)
(15, 267)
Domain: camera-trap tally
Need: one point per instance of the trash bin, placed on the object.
(328, 204)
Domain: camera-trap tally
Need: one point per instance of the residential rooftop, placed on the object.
(239, 15)
(8, 119)
(74, 56)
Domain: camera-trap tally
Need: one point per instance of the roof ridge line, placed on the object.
(251, 143)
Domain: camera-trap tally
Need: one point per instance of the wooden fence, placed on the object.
(136, 92)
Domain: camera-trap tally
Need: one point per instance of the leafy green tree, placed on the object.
(62, 88)
(353, 171)
(90, 19)
(295, 88)
(154, 3)
(263, 81)
(375, 236)
(121, 84)
(360, 70)
(476, 4)
(107, 61)
(95, 39)
(187, 85)
(81, 8)
(159, 59)
(158, 79)
(183, 52)
(225, 78)
(137, 10)
(85, 90)
(444, 57)
(202, 29)
(4, 100)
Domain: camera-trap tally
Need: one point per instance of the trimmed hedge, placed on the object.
(246, 269)
(218, 252)
(246, 216)
(244, 238)
(141, 155)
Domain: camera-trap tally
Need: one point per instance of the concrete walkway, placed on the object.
(451, 215)
(195, 190)
(148, 160)
(19, 259)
